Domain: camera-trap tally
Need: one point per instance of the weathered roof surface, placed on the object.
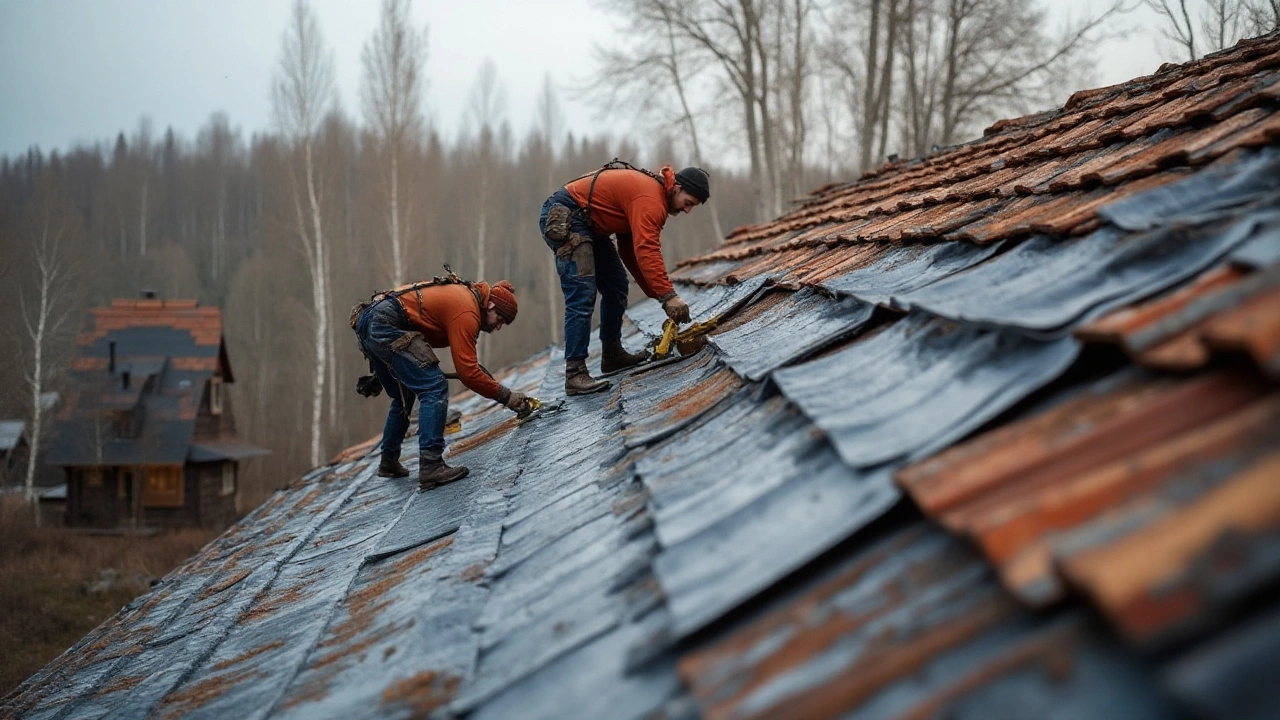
(165, 351)
(934, 461)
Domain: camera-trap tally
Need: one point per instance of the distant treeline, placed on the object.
(215, 219)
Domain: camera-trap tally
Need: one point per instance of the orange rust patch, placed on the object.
(225, 583)
(248, 655)
(304, 502)
(474, 572)
(630, 503)
(180, 702)
(470, 443)
(262, 610)
(124, 682)
(423, 692)
(364, 605)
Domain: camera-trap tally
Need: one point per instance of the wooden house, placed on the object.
(146, 436)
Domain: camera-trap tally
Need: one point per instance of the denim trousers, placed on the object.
(609, 280)
(403, 378)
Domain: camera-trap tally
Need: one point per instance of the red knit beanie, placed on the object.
(503, 297)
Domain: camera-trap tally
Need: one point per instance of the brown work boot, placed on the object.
(577, 381)
(390, 467)
(617, 358)
(432, 472)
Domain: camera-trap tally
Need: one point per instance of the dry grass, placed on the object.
(43, 608)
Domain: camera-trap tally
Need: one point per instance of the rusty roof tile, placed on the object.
(1253, 328)
(1008, 219)
(1196, 558)
(1119, 326)
(1018, 489)
(842, 259)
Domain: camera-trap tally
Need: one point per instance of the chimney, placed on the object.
(124, 380)
(111, 357)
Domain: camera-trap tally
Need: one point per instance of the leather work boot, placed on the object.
(617, 358)
(577, 381)
(390, 467)
(432, 472)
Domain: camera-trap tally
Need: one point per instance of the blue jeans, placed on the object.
(609, 280)
(403, 378)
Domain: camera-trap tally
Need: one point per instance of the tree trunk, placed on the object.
(320, 305)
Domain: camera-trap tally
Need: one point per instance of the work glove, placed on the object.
(676, 309)
(518, 403)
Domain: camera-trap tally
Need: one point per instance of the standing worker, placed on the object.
(397, 333)
(632, 204)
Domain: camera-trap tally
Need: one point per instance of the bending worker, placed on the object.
(398, 331)
(576, 222)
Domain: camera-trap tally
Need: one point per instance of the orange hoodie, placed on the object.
(449, 316)
(633, 206)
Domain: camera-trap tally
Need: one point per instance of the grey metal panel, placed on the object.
(570, 570)
(915, 625)
(590, 684)
(906, 268)
(1262, 250)
(188, 618)
(1234, 676)
(1047, 285)
(432, 515)
(727, 463)
(664, 400)
(797, 326)
(920, 380)
(705, 302)
(821, 503)
(1205, 194)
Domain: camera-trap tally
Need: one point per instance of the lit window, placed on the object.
(228, 479)
(163, 486)
(215, 395)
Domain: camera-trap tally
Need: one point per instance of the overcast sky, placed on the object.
(79, 71)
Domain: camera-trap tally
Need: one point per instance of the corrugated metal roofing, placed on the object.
(965, 504)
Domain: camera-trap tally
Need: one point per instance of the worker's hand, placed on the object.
(676, 309)
(519, 403)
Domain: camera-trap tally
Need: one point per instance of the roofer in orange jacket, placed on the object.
(633, 205)
(398, 332)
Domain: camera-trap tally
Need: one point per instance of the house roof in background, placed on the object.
(10, 433)
(164, 353)
(934, 459)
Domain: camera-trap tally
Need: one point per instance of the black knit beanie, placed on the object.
(696, 182)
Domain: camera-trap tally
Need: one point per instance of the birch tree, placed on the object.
(392, 93)
(301, 93)
(46, 307)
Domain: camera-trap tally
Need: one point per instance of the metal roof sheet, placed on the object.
(907, 268)
(799, 325)
(905, 628)
(692, 520)
(920, 382)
